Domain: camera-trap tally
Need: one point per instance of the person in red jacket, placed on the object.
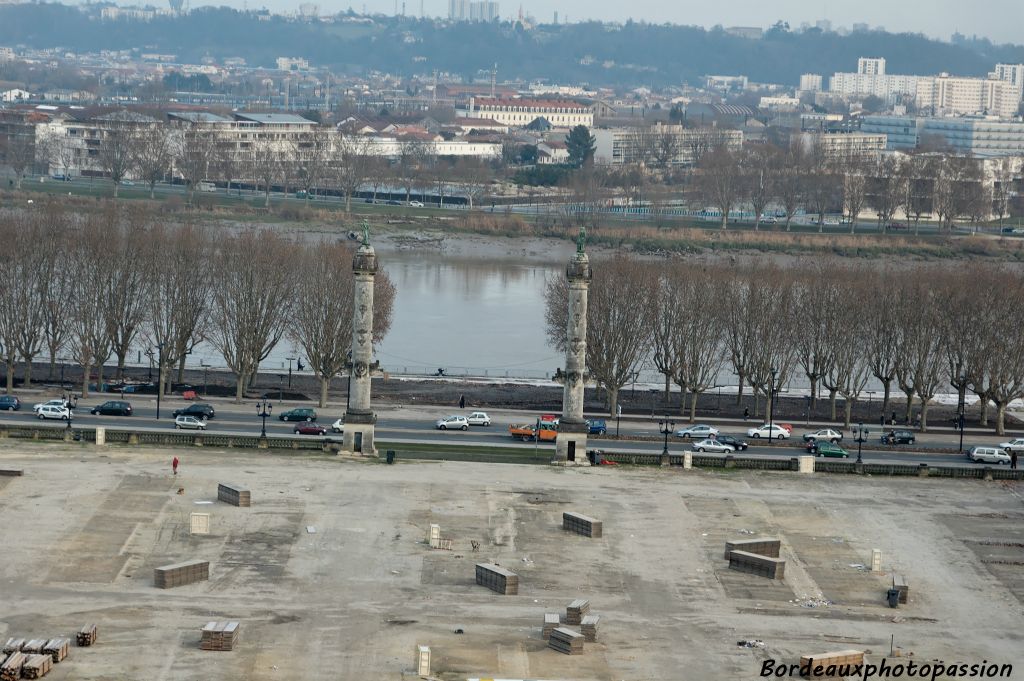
(174, 465)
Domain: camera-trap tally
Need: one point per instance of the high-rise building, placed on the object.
(470, 10)
(869, 66)
(810, 82)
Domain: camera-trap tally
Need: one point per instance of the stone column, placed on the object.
(359, 416)
(571, 442)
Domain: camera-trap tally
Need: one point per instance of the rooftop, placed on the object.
(274, 118)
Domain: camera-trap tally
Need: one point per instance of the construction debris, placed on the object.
(219, 636)
(566, 641)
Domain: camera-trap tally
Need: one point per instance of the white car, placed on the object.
(479, 418)
(775, 431)
(338, 426)
(416, 204)
(988, 455)
(1014, 445)
(693, 432)
(452, 423)
(712, 446)
(54, 411)
(190, 422)
(59, 402)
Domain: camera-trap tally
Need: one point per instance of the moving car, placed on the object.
(189, 421)
(416, 204)
(309, 429)
(53, 411)
(897, 437)
(773, 431)
(9, 403)
(112, 408)
(59, 402)
(736, 443)
(597, 426)
(701, 431)
(300, 414)
(338, 426)
(479, 418)
(453, 422)
(829, 449)
(829, 434)
(199, 410)
(716, 446)
(1014, 445)
(988, 455)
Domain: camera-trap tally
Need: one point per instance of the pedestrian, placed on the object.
(1013, 459)
(893, 421)
(174, 465)
(462, 401)
(746, 413)
(881, 420)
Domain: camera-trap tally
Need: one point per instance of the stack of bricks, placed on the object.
(235, 495)
(37, 666)
(551, 621)
(219, 636)
(589, 627)
(566, 641)
(841, 657)
(497, 578)
(180, 574)
(57, 648)
(86, 636)
(576, 611)
(10, 670)
(754, 564)
(581, 524)
(762, 547)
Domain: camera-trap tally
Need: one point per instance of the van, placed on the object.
(205, 186)
(53, 411)
(988, 455)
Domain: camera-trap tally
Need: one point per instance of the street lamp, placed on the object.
(960, 409)
(665, 427)
(71, 402)
(149, 353)
(205, 368)
(771, 406)
(263, 410)
(860, 441)
(290, 360)
(160, 375)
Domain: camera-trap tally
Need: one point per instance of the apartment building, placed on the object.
(810, 82)
(978, 136)
(625, 146)
(838, 146)
(946, 95)
(520, 112)
(469, 10)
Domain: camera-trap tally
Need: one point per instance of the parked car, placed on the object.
(988, 455)
(898, 437)
(829, 449)
(53, 411)
(715, 446)
(700, 431)
(112, 408)
(735, 442)
(59, 402)
(338, 426)
(416, 204)
(452, 423)
(300, 414)
(597, 426)
(1014, 445)
(189, 421)
(479, 418)
(9, 403)
(829, 434)
(309, 429)
(774, 431)
(199, 410)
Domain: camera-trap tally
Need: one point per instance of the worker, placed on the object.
(174, 465)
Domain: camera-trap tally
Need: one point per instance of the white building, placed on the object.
(520, 112)
(622, 146)
(779, 103)
(839, 146)
(810, 82)
(869, 66)
(292, 64)
(471, 10)
(946, 95)
(15, 95)
(1012, 74)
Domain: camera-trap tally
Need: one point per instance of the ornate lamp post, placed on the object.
(771, 407)
(860, 441)
(263, 410)
(665, 427)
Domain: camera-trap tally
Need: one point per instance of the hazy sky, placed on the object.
(1000, 20)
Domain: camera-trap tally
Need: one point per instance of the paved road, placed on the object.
(412, 426)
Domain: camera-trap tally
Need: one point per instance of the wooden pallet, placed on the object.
(180, 574)
(236, 495)
(219, 636)
(497, 578)
(57, 648)
(566, 641)
(13, 645)
(576, 611)
(86, 636)
(588, 627)
(551, 622)
(37, 666)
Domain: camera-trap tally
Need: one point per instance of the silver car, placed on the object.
(452, 423)
(1014, 445)
(988, 455)
(190, 422)
(694, 432)
(713, 446)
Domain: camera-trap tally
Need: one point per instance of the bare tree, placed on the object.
(88, 332)
(700, 340)
(18, 149)
(1007, 367)
(351, 167)
(850, 367)
(790, 183)
(411, 154)
(619, 314)
(265, 165)
(854, 189)
(760, 168)
(816, 331)
(126, 292)
(251, 300)
(886, 189)
(720, 180)
(322, 321)
(823, 187)
(312, 152)
(118, 147)
(154, 155)
(667, 146)
(643, 145)
(920, 359)
(193, 149)
(378, 173)
(881, 337)
(668, 320)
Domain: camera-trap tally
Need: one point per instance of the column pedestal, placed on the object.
(358, 437)
(571, 444)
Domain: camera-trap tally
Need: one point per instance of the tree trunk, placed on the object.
(739, 390)
(983, 409)
(814, 392)
(53, 365)
(181, 369)
(613, 400)
(924, 415)
(1000, 418)
(10, 374)
(152, 190)
(85, 379)
(847, 410)
(99, 378)
(910, 406)
(121, 358)
(266, 199)
(325, 383)
(348, 202)
(886, 395)
(116, 186)
(725, 220)
(26, 373)
(239, 387)
(668, 386)
(693, 406)
(832, 402)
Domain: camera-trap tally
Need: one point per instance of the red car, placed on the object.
(309, 429)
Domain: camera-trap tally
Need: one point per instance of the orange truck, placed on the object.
(546, 426)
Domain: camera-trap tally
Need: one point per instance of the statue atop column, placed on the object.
(571, 441)
(359, 416)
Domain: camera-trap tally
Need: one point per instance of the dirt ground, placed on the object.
(84, 528)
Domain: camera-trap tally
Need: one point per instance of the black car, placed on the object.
(203, 411)
(9, 403)
(113, 408)
(737, 443)
(897, 437)
(301, 414)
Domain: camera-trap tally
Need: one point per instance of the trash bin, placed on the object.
(893, 596)
(391, 456)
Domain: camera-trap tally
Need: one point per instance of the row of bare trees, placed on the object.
(915, 330)
(94, 286)
(807, 177)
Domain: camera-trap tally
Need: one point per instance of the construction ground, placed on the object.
(330, 577)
